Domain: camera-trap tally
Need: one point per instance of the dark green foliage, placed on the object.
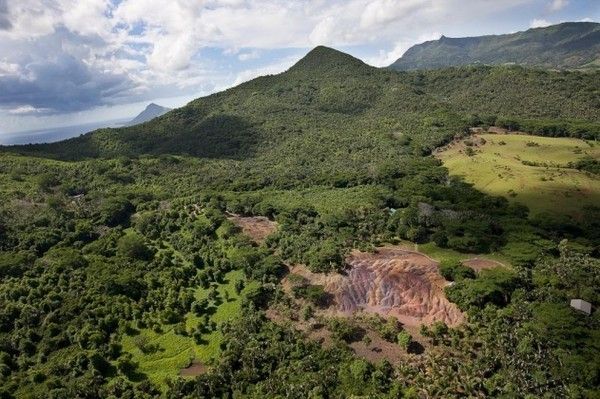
(115, 211)
(262, 359)
(455, 271)
(491, 286)
(337, 153)
(565, 46)
(15, 264)
(345, 329)
(134, 247)
(587, 164)
(313, 293)
(537, 342)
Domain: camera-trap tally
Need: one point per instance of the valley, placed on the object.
(336, 230)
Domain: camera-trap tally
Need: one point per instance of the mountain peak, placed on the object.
(327, 58)
(151, 111)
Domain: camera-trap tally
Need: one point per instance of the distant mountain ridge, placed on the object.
(570, 45)
(152, 111)
(330, 104)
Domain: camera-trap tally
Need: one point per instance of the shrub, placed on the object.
(404, 339)
(344, 329)
(491, 286)
(115, 211)
(133, 246)
(454, 270)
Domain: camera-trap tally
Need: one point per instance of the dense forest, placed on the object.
(124, 233)
(568, 45)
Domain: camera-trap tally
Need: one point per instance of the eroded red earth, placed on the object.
(391, 282)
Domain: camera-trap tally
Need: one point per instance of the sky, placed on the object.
(67, 62)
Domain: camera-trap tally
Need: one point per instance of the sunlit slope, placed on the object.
(502, 165)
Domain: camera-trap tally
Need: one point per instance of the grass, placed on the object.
(445, 254)
(497, 168)
(174, 352)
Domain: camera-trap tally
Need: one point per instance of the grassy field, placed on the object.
(497, 168)
(172, 351)
(445, 254)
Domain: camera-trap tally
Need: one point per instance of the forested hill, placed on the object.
(333, 98)
(572, 45)
(132, 262)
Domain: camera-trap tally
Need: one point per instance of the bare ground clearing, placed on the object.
(258, 228)
(390, 282)
(194, 369)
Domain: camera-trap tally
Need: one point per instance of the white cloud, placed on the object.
(385, 58)
(558, 5)
(7, 68)
(539, 23)
(28, 110)
(133, 50)
(381, 12)
(271, 69)
(249, 55)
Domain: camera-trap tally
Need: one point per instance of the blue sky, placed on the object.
(65, 62)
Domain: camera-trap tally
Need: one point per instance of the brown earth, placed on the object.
(194, 369)
(478, 264)
(258, 228)
(390, 282)
(377, 350)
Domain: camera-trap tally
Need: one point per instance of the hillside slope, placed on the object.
(330, 100)
(122, 267)
(572, 45)
(150, 112)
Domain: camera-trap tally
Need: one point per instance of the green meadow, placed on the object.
(172, 352)
(531, 170)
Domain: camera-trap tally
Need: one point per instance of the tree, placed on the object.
(133, 246)
(404, 339)
(115, 211)
(455, 270)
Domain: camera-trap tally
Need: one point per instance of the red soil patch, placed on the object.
(391, 282)
(478, 264)
(379, 349)
(194, 369)
(256, 227)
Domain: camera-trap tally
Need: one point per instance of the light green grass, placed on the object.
(175, 351)
(498, 170)
(444, 254)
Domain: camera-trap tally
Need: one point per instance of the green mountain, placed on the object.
(124, 264)
(330, 100)
(571, 45)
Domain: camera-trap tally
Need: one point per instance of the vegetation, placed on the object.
(569, 45)
(119, 265)
(548, 177)
(455, 271)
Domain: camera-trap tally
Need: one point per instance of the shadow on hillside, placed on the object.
(181, 132)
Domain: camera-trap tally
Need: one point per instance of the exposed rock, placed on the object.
(391, 282)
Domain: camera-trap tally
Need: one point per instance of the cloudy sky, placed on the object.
(66, 62)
